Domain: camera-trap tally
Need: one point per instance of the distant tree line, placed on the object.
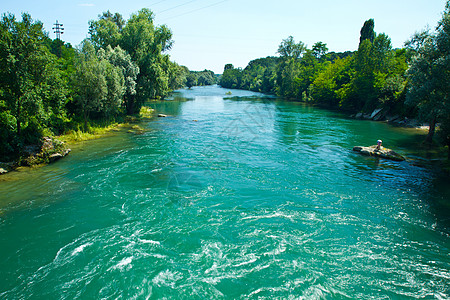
(48, 87)
(202, 78)
(413, 81)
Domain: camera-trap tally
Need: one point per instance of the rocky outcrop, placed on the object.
(381, 114)
(383, 152)
(50, 151)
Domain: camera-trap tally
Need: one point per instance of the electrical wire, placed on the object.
(156, 2)
(177, 6)
(195, 10)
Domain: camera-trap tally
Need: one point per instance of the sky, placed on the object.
(208, 34)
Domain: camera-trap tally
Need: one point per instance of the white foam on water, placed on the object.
(80, 248)
(150, 242)
(123, 263)
(166, 278)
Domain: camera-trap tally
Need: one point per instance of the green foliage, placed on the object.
(319, 50)
(32, 85)
(290, 49)
(231, 78)
(330, 85)
(367, 31)
(357, 81)
(429, 76)
(48, 87)
(258, 76)
(191, 80)
(202, 78)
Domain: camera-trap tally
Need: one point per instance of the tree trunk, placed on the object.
(429, 138)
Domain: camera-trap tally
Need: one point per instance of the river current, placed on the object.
(237, 196)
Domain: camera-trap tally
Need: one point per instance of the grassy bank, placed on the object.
(99, 130)
(53, 148)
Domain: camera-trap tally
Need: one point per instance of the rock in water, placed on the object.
(383, 152)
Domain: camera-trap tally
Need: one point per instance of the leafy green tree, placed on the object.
(116, 18)
(319, 50)
(33, 84)
(288, 48)
(205, 77)
(429, 77)
(231, 77)
(372, 65)
(177, 76)
(99, 85)
(329, 85)
(146, 45)
(122, 60)
(23, 61)
(89, 82)
(106, 31)
(115, 79)
(288, 68)
(367, 31)
(191, 80)
(228, 67)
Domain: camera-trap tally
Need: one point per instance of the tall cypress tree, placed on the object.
(367, 31)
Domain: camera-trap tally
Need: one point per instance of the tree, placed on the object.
(177, 76)
(99, 85)
(106, 31)
(228, 67)
(429, 76)
(290, 49)
(288, 68)
(146, 45)
(122, 60)
(231, 78)
(319, 50)
(367, 31)
(23, 61)
(372, 66)
(191, 80)
(332, 79)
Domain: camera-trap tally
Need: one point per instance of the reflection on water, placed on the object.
(236, 196)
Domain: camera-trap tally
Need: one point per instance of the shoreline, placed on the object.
(54, 148)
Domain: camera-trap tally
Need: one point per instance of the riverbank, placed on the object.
(53, 148)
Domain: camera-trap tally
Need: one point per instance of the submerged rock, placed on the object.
(383, 152)
(55, 156)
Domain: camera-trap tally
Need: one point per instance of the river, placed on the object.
(230, 196)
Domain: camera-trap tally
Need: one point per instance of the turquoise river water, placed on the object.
(230, 197)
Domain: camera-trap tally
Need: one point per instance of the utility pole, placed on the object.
(58, 29)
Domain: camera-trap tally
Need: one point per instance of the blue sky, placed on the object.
(211, 33)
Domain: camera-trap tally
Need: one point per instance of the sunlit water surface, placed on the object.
(239, 196)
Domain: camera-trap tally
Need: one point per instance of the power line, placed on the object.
(195, 10)
(177, 6)
(156, 3)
